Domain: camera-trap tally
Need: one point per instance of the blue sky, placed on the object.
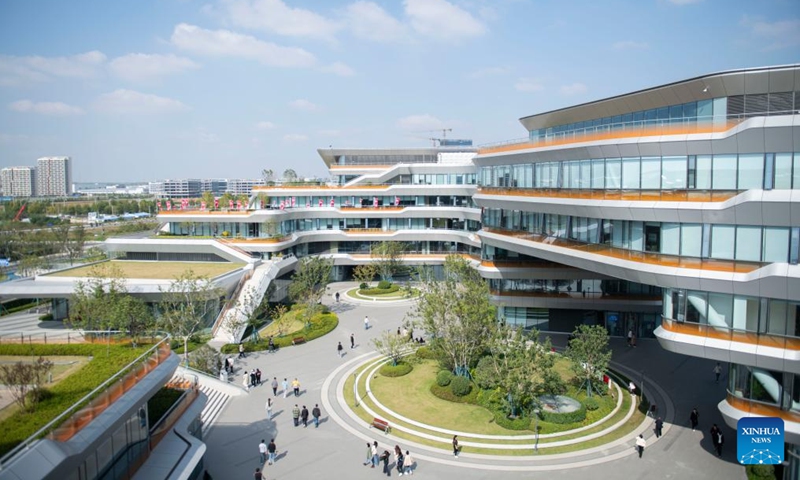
(224, 88)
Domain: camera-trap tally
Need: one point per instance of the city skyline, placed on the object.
(228, 88)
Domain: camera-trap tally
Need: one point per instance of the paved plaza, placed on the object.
(337, 448)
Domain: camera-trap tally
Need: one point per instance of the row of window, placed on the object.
(316, 201)
(781, 389)
(420, 179)
(591, 287)
(724, 242)
(385, 159)
(736, 312)
(700, 172)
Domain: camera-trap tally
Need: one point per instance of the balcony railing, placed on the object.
(731, 335)
(652, 258)
(626, 195)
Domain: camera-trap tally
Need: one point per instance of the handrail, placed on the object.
(25, 444)
(681, 195)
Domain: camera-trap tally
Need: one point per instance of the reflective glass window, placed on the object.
(598, 173)
(703, 174)
(690, 110)
(724, 177)
(670, 238)
(662, 113)
(651, 173)
(776, 244)
(704, 110)
(720, 309)
(637, 236)
(673, 173)
(696, 307)
(613, 173)
(586, 174)
(723, 238)
(630, 173)
(796, 172)
(745, 313)
(751, 171)
(691, 239)
(783, 170)
(748, 243)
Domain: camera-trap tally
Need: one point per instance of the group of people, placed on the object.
(403, 462)
(301, 416)
(251, 379)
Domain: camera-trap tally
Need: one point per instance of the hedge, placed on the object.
(46, 317)
(425, 353)
(443, 378)
(446, 394)
(460, 386)
(380, 291)
(321, 324)
(591, 403)
(578, 415)
(107, 361)
(18, 308)
(159, 403)
(518, 423)
(760, 472)
(402, 368)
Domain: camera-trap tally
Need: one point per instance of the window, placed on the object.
(796, 171)
(720, 309)
(751, 171)
(703, 173)
(631, 170)
(724, 172)
(696, 307)
(613, 173)
(670, 238)
(651, 173)
(598, 173)
(783, 170)
(748, 243)
(691, 237)
(776, 244)
(722, 241)
(745, 313)
(673, 173)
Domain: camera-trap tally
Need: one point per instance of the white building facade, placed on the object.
(18, 181)
(54, 176)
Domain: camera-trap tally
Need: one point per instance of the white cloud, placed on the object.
(338, 68)
(330, 132)
(489, 72)
(443, 20)
(529, 85)
(684, 2)
(576, 88)
(45, 108)
(142, 67)
(224, 43)
(781, 33)
(21, 70)
(295, 137)
(370, 21)
(129, 101)
(630, 45)
(305, 105)
(277, 17)
(422, 122)
(264, 126)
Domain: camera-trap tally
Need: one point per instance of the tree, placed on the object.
(266, 175)
(280, 319)
(365, 273)
(208, 197)
(309, 283)
(589, 353)
(132, 314)
(388, 258)
(186, 304)
(30, 265)
(289, 175)
(271, 228)
(74, 244)
(24, 380)
(94, 300)
(456, 312)
(206, 359)
(391, 345)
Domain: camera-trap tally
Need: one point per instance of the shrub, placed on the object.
(760, 472)
(46, 317)
(460, 386)
(591, 404)
(484, 374)
(443, 378)
(446, 394)
(363, 286)
(425, 353)
(402, 368)
(578, 415)
(516, 423)
(384, 284)
(380, 291)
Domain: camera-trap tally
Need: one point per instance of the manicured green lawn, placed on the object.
(394, 296)
(157, 270)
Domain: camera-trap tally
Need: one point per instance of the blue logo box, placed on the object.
(759, 440)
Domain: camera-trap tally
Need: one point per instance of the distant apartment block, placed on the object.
(53, 176)
(187, 188)
(18, 181)
(242, 186)
(217, 186)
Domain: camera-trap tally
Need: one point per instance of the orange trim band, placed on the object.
(749, 338)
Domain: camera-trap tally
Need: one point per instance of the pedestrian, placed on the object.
(409, 464)
(455, 446)
(258, 475)
(246, 380)
(653, 410)
(285, 388)
(366, 322)
(411, 336)
(258, 376)
(271, 450)
(713, 431)
(385, 459)
(368, 460)
(398, 331)
(720, 441)
(316, 414)
(229, 363)
(640, 444)
(274, 386)
(241, 350)
(633, 340)
(296, 387)
(262, 449)
(252, 378)
(632, 388)
(269, 408)
(304, 416)
(374, 452)
(398, 459)
(337, 297)
(659, 426)
(271, 345)
(630, 337)
(352, 341)
(296, 415)
(717, 371)
(694, 418)
(339, 349)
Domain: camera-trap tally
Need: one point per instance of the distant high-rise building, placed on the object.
(53, 176)
(18, 181)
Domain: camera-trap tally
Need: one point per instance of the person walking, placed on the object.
(713, 432)
(694, 418)
(409, 464)
(398, 459)
(296, 415)
(271, 345)
(368, 459)
(352, 341)
(252, 378)
(385, 459)
(374, 452)
(641, 443)
(304, 416)
(246, 380)
(296, 387)
(285, 388)
(315, 412)
(258, 376)
(720, 441)
(366, 322)
(241, 350)
(339, 349)
(274, 386)
(268, 406)
(633, 340)
(455, 446)
(262, 449)
(717, 371)
(271, 450)
(258, 475)
(659, 426)
(337, 297)
(630, 337)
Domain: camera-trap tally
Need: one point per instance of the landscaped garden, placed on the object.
(383, 291)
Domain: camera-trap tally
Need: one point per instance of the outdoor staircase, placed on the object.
(217, 400)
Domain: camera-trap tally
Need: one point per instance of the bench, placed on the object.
(381, 425)
(298, 340)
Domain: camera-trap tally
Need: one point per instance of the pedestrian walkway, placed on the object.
(337, 448)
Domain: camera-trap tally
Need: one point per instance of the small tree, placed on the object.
(98, 303)
(30, 265)
(233, 324)
(206, 359)
(365, 273)
(309, 283)
(185, 304)
(289, 175)
(280, 319)
(388, 258)
(589, 353)
(75, 243)
(24, 380)
(391, 345)
(266, 175)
